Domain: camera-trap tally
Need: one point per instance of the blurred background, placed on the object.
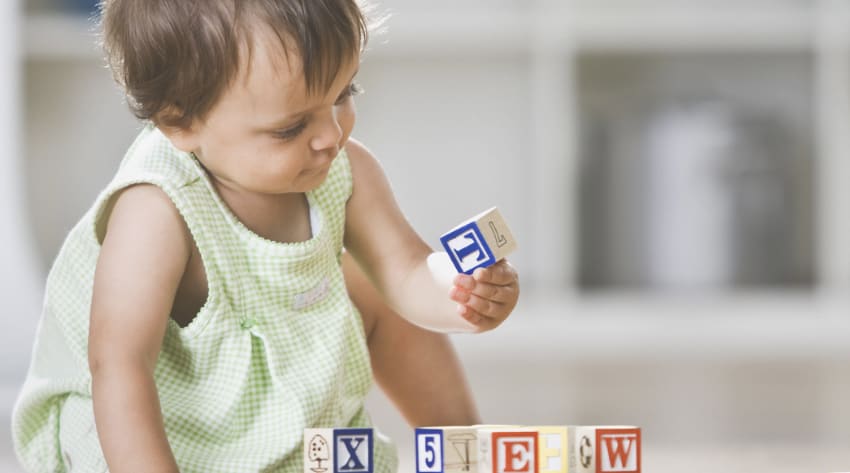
(675, 172)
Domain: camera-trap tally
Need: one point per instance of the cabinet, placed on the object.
(514, 89)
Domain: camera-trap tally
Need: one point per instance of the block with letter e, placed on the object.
(479, 242)
(342, 450)
(450, 449)
(508, 450)
(604, 449)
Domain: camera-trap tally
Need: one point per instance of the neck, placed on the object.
(278, 217)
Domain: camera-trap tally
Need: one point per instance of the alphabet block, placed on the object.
(479, 242)
(552, 448)
(451, 449)
(603, 449)
(508, 450)
(343, 450)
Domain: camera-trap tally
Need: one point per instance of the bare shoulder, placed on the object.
(357, 150)
(363, 162)
(143, 213)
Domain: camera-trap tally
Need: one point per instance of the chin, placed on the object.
(316, 178)
(318, 182)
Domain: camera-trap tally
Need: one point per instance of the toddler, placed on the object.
(197, 319)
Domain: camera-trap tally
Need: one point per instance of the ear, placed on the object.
(183, 137)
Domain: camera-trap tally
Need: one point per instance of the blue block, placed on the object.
(429, 450)
(467, 248)
(353, 451)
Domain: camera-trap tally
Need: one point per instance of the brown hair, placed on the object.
(175, 58)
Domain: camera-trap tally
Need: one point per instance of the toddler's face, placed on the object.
(266, 134)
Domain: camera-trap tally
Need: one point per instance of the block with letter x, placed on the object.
(342, 450)
(479, 242)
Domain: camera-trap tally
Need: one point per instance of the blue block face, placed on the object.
(467, 248)
(429, 451)
(353, 451)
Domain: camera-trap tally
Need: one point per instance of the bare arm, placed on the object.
(411, 277)
(143, 257)
(417, 369)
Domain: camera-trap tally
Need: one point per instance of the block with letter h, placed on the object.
(552, 448)
(479, 242)
(343, 450)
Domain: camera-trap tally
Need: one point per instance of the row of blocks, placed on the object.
(485, 449)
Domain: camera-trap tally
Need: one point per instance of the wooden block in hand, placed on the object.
(479, 242)
(343, 450)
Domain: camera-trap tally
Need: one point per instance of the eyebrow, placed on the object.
(277, 123)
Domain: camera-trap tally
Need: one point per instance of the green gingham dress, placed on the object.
(277, 347)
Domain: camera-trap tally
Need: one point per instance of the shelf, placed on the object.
(685, 28)
(511, 30)
(772, 326)
(503, 32)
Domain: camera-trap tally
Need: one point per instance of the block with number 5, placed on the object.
(452, 449)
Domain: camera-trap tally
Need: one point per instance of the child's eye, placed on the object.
(350, 91)
(291, 132)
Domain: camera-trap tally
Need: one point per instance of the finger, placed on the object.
(485, 307)
(501, 273)
(481, 322)
(464, 281)
(459, 294)
(492, 292)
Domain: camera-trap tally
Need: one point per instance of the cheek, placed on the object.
(346, 117)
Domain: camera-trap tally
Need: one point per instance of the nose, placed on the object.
(328, 134)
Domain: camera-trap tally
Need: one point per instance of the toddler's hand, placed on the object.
(488, 296)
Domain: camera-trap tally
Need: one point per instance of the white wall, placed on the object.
(20, 279)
